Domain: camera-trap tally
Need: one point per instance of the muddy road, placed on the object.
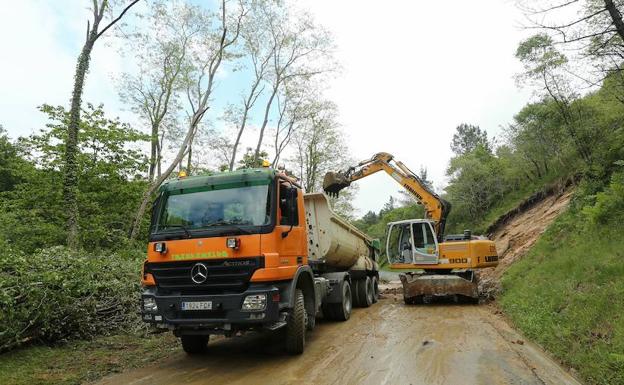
(389, 343)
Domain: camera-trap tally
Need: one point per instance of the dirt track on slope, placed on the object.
(388, 343)
(519, 233)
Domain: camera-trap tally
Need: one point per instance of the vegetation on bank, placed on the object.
(567, 293)
(54, 295)
(81, 361)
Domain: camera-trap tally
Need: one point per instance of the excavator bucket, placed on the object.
(420, 287)
(333, 182)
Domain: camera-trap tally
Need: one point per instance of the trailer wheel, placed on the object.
(296, 325)
(340, 311)
(375, 288)
(364, 292)
(194, 344)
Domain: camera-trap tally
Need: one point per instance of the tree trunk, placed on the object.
(70, 183)
(136, 227)
(616, 16)
(265, 122)
(153, 152)
(188, 162)
(238, 137)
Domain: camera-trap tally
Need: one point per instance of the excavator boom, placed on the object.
(436, 208)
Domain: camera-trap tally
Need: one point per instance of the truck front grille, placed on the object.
(224, 275)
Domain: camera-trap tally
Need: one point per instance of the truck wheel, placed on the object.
(364, 292)
(340, 311)
(194, 344)
(375, 288)
(296, 325)
(355, 290)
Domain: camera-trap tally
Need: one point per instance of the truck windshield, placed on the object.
(240, 206)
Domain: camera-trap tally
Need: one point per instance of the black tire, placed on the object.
(375, 288)
(296, 325)
(340, 311)
(364, 292)
(194, 344)
(355, 293)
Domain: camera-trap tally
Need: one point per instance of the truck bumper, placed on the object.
(226, 311)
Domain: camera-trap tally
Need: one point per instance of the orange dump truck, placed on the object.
(248, 250)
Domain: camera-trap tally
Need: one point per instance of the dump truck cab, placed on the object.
(227, 253)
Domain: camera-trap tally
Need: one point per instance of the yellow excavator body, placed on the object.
(434, 265)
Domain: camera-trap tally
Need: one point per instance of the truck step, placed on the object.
(275, 325)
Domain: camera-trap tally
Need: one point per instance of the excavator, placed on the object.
(435, 265)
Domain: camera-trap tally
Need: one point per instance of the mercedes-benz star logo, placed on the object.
(199, 273)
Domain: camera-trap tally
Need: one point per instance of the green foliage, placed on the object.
(566, 294)
(549, 140)
(608, 208)
(79, 362)
(11, 164)
(249, 159)
(54, 294)
(539, 54)
(467, 139)
(32, 213)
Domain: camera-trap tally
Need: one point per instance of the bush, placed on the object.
(609, 204)
(53, 295)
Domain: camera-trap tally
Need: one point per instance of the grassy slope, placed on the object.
(80, 361)
(568, 295)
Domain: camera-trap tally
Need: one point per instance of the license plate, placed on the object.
(197, 305)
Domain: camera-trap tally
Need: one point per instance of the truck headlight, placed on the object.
(254, 302)
(149, 305)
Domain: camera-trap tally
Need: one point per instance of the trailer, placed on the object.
(249, 251)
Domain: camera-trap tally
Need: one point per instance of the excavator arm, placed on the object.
(436, 208)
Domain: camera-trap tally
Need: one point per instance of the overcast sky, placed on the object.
(412, 71)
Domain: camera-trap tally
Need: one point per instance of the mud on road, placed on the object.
(388, 343)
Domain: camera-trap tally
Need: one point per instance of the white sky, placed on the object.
(412, 71)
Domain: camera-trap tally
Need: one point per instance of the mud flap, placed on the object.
(437, 285)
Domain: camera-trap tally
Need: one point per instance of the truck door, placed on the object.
(290, 204)
(425, 245)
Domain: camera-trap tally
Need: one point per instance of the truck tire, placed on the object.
(296, 325)
(194, 344)
(340, 311)
(375, 288)
(364, 292)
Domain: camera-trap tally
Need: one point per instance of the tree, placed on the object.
(209, 48)
(11, 163)
(162, 53)
(388, 206)
(591, 30)
(259, 49)
(301, 49)
(319, 147)
(249, 159)
(467, 138)
(70, 185)
(109, 161)
(544, 64)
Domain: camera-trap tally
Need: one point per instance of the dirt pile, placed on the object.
(517, 231)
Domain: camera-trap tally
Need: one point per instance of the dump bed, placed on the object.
(332, 240)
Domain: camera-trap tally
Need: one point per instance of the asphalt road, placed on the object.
(388, 343)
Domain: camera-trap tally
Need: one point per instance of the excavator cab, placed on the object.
(412, 241)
